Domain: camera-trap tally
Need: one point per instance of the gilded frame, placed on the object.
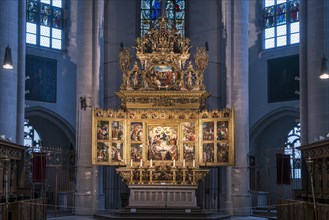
(108, 138)
(216, 141)
(137, 138)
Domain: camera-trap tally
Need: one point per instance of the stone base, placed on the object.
(162, 214)
(241, 205)
(162, 196)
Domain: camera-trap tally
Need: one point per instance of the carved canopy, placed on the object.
(163, 75)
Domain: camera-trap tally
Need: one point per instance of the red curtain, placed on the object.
(38, 167)
(283, 169)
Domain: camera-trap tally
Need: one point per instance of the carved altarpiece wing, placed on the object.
(162, 133)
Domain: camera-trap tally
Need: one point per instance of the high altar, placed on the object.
(163, 139)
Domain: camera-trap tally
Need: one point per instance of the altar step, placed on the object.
(193, 214)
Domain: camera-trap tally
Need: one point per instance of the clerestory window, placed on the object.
(44, 23)
(281, 23)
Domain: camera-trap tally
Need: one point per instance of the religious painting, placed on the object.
(163, 136)
(222, 152)
(222, 130)
(42, 79)
(102, 152)
(189, 151)
(163, 77)
(102, 130)
(208, 152)
(188, 131)
(208, 131)
(282, 75)
(117, 130)
(162, 142)
(136, 151)
(117, 152)
(136, 131)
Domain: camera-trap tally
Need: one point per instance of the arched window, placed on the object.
(44, 23)
(151, 10)
(291, 144)
(32, 142)
(281, 21)
(32, 139)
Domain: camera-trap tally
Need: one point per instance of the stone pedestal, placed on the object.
(162, 196)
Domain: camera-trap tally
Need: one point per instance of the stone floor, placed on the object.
(90, 218)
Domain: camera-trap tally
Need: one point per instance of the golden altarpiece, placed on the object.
(162, 139)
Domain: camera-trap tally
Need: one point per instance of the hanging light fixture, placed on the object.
(324, 68)
(8, 61)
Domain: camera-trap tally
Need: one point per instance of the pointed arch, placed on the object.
(47, 122)
(277, 114)
(268, 138)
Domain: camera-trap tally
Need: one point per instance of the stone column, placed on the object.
(9, 78)
(21, 87)
(227, 35)
(21, 54)
(98, 81)
(240, 102)
(314, 91)
(303, 71)
(88, 71)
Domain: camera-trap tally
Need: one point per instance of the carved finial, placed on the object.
(139, 45)
(201, 58)
(124, 63)
(124, 59)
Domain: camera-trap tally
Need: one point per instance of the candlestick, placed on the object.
(184, 163)
(174, 163)
(151, 163)
(193, 163)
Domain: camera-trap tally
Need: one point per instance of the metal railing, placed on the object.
(294, 209)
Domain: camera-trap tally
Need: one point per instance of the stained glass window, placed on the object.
(32, 138)
(32, 143)
(281, 23)
(151, 10)
(44, 23)
(291, 148)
